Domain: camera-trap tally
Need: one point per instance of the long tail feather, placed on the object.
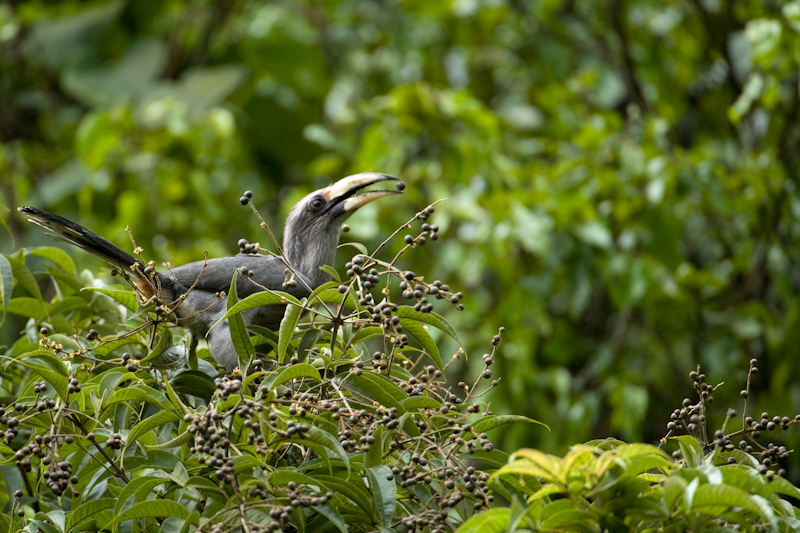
(62, 229)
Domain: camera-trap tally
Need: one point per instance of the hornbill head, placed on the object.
(311, 234)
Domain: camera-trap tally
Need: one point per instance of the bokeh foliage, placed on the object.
(622, 175)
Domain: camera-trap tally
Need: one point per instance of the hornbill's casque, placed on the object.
(310, 239)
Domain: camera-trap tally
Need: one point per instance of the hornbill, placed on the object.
(310, 239)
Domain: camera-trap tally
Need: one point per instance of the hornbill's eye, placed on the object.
(316, 203)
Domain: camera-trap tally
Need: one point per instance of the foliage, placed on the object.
(708, 484)
(622, 175)
(610, 486)
(342, 419)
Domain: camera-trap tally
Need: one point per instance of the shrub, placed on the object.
(342, 419)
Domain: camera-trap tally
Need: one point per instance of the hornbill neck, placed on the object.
(307, 251)
(312, 229)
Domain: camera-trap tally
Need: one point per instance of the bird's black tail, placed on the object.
(62, 229)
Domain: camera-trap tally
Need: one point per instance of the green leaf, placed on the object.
(258, 299)
(366, 333)
(56, 255)
(195, 383)
(413, 403)
(49, 367)
(87, 509)
(487, 423)
(417, 330)
(332, 272)
(288, 373)
(151, 508)
(690, 449)
(324, 438)
(6, 284)
(157, 420)
(432, 319)
(29, 307)
(241, 339)
(377, 388)
(309, 339)
(492, 521)
(333, 515)
(288, 324)
(126, 298)
(385, 492)
(24, 277)
(352, 489)
(140, 393)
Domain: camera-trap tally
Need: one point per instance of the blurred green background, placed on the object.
(622, 174)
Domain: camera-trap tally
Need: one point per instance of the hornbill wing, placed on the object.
(265, 271)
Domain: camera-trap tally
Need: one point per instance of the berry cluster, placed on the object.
(692, 418)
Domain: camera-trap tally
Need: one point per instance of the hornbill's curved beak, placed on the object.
(343, 196)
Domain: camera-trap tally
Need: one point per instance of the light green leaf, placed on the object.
(87, 509)
(151, 508)
(126, 298)
(157, 420)
(24, 277)
(288, 324)
(56, 255)
(6, 284)
(29, 307)
(417, 330)
(377, 388)
(50, 367)
(241, 339)
(432, 319)
(300, 370)
(488, 423)
(492, 521)
(385, 492)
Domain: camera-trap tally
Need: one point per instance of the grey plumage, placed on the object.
(311, 236)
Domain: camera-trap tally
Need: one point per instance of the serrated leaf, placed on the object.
(126, 298)
(384, 491)
(488, 423)
(56, 255)
(288, 324)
